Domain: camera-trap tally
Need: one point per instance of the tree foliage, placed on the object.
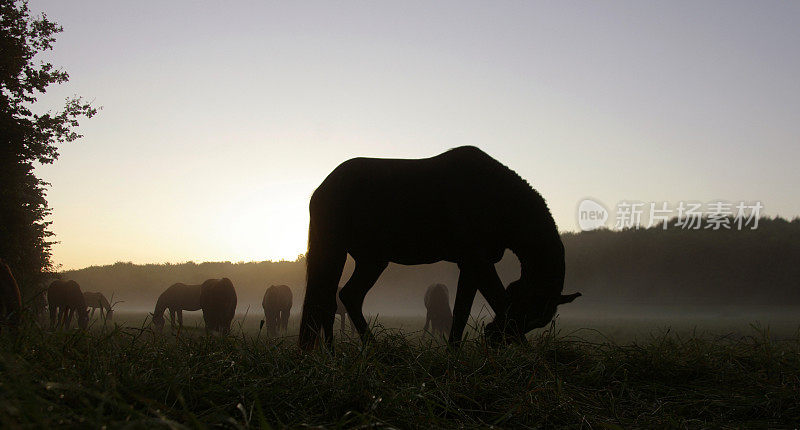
(27, 138)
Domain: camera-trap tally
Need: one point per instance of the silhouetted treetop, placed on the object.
(27, 138)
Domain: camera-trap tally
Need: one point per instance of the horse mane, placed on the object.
(160, 306)
(523, 191)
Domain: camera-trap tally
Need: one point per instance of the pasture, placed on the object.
(624, 372)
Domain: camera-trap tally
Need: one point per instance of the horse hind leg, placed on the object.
(353, 293)
(53, 316)
(324, 269)
(286, 320)
(62, 317)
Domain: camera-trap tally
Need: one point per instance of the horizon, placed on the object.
(219, 121)
(350, 260)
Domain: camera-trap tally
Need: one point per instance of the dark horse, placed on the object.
(218, 301)
(10, 299)
(65, 299)
(177, 298)
(437, 304)
(277, 304)
(96, 300)
(461, 206)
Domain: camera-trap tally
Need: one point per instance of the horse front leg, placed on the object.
(53, 316)
(465, 295)
(285, 321)
(353, 293)
(68, 320)
(491, 288)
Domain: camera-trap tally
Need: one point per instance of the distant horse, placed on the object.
(10, 299)
(277, 304)
(65, 299)
(98, 301)
(461, 206)
(437, 303)
(342, 312)
(218, 300)
(177, 298)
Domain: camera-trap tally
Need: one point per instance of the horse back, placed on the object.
(181, 296)
(218, 296)
(66, 294)
(413, 211)
(277, 297)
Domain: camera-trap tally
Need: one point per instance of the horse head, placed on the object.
(158, 321)
(528, 309)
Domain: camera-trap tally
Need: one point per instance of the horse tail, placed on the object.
(324, 264)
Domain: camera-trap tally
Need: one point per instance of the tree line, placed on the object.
(648, 266)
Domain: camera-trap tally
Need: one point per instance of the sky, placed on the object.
(219, 119)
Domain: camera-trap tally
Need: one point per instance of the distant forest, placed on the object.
(671, 267)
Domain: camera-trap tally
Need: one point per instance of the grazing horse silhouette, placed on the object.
(98, 301)
(218, 300)
(65, 299)
(437, 303)
(277, 304)
(10, 299)
(342, 312)
(461, 206)
(177, 298)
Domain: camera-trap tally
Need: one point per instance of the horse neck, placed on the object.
(161, 305)
(542, 262)
(104, 303)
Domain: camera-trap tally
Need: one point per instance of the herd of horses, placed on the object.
(461, 206)
(276, 303)
(64, 299)
(216, 298)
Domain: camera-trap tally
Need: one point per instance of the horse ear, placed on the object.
(568, 298)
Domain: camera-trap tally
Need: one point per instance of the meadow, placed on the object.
(620, 373)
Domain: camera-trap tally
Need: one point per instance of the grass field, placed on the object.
(621, 373)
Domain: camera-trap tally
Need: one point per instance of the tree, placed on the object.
(27, 138)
